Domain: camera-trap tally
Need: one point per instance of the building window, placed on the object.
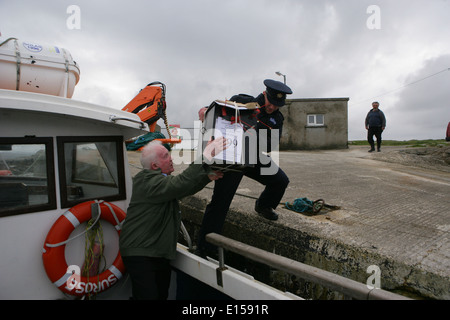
(90, 168)
(27, 180)
(316, 120)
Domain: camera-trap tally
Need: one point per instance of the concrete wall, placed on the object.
(298, 135)
(325, 253)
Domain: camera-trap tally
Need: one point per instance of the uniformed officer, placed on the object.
(269, 118)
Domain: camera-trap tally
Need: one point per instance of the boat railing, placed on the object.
(348, 287)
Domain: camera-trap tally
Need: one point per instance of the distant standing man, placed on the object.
(375, 124)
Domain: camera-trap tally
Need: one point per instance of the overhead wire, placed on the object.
(404, 86)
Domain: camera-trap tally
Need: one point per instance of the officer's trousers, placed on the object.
(224, 190)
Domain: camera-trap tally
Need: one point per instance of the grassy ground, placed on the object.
(408, 143)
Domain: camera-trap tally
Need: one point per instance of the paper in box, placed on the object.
(237, 123)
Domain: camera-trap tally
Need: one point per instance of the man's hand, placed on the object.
(201, 113)
(214, 147)
(216, 175)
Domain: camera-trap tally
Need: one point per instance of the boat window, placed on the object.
(27, 181)
(90, 168)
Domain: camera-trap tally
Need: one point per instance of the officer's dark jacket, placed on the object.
(266, 121)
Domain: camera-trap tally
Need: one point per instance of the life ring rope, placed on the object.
(75, 222)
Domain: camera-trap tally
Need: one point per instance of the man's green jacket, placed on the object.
(153, 216)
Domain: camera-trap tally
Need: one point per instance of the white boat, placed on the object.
(56, 154)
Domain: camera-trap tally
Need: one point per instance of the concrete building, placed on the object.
(313, 123)
(320, 123)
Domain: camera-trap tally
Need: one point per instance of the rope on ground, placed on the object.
(304, 205)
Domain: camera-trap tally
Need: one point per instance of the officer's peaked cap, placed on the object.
(276, 92)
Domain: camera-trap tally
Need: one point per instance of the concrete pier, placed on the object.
(392, 217)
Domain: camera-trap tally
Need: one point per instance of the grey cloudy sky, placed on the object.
(208, 49)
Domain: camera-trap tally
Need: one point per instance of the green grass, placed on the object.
(406, 143)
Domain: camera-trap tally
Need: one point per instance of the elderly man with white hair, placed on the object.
(149, 234)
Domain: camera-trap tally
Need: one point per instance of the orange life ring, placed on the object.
(53, 252)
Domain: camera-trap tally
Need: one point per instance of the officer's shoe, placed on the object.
(267, 213)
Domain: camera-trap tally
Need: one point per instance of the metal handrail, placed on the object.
(327, 279)
(114, 119)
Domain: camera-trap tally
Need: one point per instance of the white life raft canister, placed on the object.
(32, 67)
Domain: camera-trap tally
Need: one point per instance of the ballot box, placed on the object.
(237, 123)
